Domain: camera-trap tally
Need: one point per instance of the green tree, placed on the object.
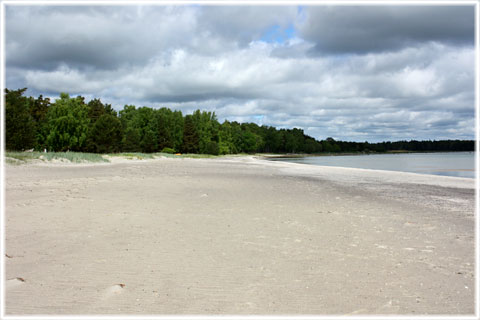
(38, 110)
(212, 148)
(107, 134)
(19, 124)
(273, 140)
(294, 140)
(140, 127)
(149, 141)
(226, 144)
(177, 130)
(164, 118)
(145, 121)
(207, 127)
(127, 115)
(96, 109)
(237, 135)
(312, 145)
(131, 140)
(67, 124)
(170, 129)
(190, 136)
(249, 141)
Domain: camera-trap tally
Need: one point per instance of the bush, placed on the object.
(168, 150)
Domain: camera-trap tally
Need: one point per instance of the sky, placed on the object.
(356, 73)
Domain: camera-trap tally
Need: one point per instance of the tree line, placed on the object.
(71, 123)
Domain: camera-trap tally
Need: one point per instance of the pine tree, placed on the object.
(107, 134)
(190, 136)
(19, 124)
(131, 140)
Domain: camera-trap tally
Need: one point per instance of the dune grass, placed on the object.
(16, 157)
(142, 156)
(21, 157)
(197, 156)
(133, 155)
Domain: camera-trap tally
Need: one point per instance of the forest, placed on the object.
(72, 124)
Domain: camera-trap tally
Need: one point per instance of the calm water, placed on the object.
(456, 164)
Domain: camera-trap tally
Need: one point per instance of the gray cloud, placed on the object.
(103, 37)
(243, 24)
(363, 29)
(412, 82)
(96, 37)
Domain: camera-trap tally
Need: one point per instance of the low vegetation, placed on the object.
(133, 155)
(22, 157)
(76, 157)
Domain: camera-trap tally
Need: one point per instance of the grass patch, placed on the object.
(13, 161)
(75, 157)
(22, 156)
(133, 155)
(17, 157)
(166, 155)
(197, 156)
(142, 156)
(184, 155)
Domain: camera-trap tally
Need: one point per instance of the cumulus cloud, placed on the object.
(415, 80)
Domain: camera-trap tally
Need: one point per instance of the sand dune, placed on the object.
(236, 236)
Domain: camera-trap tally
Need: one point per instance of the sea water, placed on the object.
(456, 164)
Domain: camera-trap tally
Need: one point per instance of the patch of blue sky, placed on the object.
(258, 119)
(277, 34)
(301, 14)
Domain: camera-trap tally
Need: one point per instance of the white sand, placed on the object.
(236, 236)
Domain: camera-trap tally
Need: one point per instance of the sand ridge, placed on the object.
(236, 236)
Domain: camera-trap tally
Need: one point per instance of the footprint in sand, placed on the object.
(11, 283)
(114, 290)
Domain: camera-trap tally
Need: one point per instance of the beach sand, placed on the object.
(236, 236)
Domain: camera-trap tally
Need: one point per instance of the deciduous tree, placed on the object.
(67, 124)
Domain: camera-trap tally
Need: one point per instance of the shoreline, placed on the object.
(296, 155)
(237, 235)
(114, 159)
(292, 160)
(403, 176)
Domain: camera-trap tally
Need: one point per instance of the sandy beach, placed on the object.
(236, 236)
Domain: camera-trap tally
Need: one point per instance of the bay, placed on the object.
(455, 164)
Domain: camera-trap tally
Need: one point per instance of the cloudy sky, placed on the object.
(354, 73)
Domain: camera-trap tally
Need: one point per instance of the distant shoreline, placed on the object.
(303, 155)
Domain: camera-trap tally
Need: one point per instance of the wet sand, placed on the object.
(236, 236)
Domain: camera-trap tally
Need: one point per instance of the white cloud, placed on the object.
(213, 58)
(63, 79)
